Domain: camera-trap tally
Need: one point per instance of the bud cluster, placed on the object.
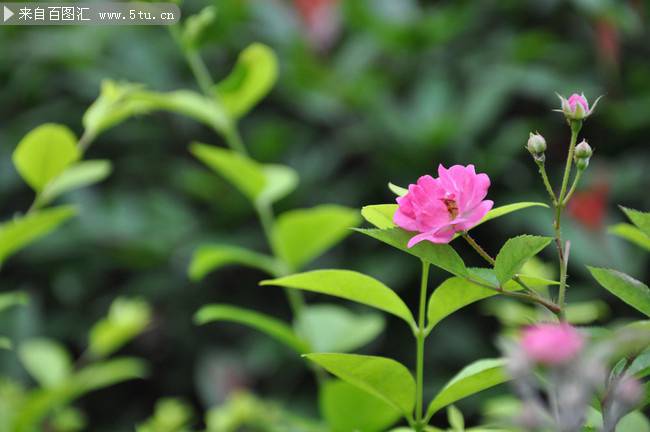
(582, 155)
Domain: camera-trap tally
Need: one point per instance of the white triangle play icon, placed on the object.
(7, 13)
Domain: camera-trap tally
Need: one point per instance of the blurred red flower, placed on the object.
(322, 21)
(589, 207)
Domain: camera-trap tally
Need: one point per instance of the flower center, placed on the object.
(452, 207)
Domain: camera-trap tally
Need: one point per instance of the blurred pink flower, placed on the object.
(438, 208)
(552, 344)
(322, 20)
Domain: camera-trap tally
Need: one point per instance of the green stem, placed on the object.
(420, 338)
(547, 184)
(572, 189)
(575, 129)
(486, 256)
(194, 61)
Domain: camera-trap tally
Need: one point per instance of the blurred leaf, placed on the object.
(302, 235)
(633, 422)
(69, 419)
(474, 378)
(332, 328)
(514, 254)
(397, 190)
(44, 153)
(47, 361)
(440, 255)
(631, 233)
(266, 324)
(126, 319)
(171, 415)
(13, 298)
(23, 230)
(639, 218)
(625, 287)
(346, 408)
(349, 285)
(382, 377)
(76, 176)
(195, 25)
(208, 258)
(5, 343)
(244, 173)
(114, 104)
(250, 81)
(455, 419)
(586, 312)
(280, 181)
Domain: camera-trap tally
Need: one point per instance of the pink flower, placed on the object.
(552, 344)
(577, 107)
(437, 208)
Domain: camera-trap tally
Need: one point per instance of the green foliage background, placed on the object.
(406, 86)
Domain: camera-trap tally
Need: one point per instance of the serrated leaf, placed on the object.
(21, 231)
(44, 153)
(13, 298)
(474, 378)
(208, 258)
(266, 324)
(332, 328)
(633, 292)
(440, 255)
(300, 236)
(241, 171)
(639, 218)
(47, 361)
(346, 408)
(382, 377)
(514, 254)
(349, 285)
(79, 175)
(631, 233)
(126, 319)
(252, 78)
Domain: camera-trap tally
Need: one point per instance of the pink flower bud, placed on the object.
(437, 208)
(576, 107)
(629, 391)
(552, 344)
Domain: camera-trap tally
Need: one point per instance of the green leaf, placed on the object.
(474, 378)
(509, 208)
(380, 215)
(452, 295)
(631, 233)
(639, 218)
(126, 319)
(332, 328)
(440, 255)
(5, 343)
(266, 324)
(47, 361)
(211, 257)
(250, 81)
(244, 173)
(300, 236)
(109, 372)
(280, 181)
(44, 153)
(382, 377)
(455, 419)
(625, 287)
(349, 285)
(117, 101)
(633, 422)
(76, 176)
(347, 408)
(19, 232)
(195, 25)
(13, 298)
(171, 415)
(514, 254)
(397, 190)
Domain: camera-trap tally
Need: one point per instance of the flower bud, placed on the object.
(629, 391)
(536, 146)
(576, 107)
(582, 155)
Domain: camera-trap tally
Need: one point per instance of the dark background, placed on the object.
(400, 87)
